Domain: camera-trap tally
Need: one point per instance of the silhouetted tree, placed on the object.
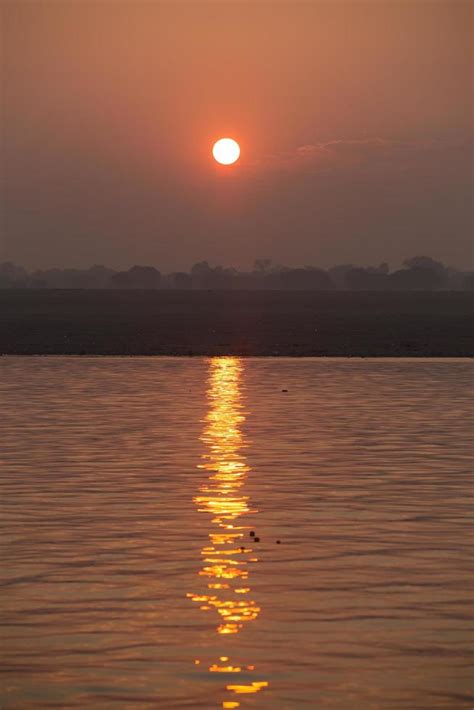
(138, 277)
(120, 280)
(262, 266)
(309, 279)
(200, 274)
(370, 279)
(205, 276)
(338, 274)
(144, 277)
(468, 281)
(95, 277)
(12, 276)
(424, 262)
(418, 273)
(181, 280)
(417, 278)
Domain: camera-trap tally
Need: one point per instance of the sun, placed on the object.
(226, 151)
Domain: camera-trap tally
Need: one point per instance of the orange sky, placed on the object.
(354, 120)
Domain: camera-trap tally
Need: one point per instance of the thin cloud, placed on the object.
(359, 152)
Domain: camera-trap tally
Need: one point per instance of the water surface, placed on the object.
(131, 489)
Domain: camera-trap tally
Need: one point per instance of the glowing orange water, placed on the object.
(226, 557)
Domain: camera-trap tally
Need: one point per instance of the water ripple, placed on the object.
(117, 473)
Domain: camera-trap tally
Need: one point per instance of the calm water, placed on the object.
(131, 488)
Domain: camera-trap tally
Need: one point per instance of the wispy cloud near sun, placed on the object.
(376, 152)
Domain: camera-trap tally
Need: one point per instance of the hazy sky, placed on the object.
(354, 119)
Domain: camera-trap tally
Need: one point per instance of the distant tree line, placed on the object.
(420, 273)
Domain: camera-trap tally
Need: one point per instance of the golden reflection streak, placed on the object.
(226, 556)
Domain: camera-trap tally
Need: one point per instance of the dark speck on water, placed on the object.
(251, 533)
(256, 539)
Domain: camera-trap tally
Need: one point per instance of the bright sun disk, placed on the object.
(226, 151)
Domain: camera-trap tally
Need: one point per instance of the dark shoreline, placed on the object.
(257, 323)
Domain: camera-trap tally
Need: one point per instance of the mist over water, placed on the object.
(131, 487)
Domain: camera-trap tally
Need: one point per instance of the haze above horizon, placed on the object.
(354, 120)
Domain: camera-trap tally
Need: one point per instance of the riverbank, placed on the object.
(267, 323)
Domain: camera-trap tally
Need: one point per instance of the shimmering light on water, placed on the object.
(130, 488)
(221, 495)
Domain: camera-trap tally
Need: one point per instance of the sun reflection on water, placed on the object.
(227, 556)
